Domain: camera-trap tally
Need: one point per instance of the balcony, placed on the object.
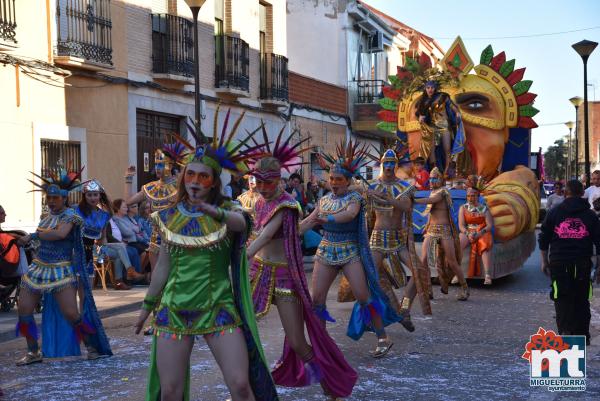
(367, 93)
(232, 64)
(84, 34)
(172, 47)
(274, 79)
(8, 25)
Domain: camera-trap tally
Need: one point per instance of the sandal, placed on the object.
(488, 280)
(383, 347)
(29, 358)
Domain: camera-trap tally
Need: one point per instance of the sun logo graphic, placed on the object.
(556, 362)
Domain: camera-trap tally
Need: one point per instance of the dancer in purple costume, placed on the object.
(277, 277)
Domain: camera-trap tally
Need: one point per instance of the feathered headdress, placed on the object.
(349, 158)
(59, 182)
(396, 150)
(286, 155)
(222, 152)
(176, 152)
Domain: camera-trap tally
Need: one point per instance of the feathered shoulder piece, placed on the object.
(349, 158)
(269, 161)
(222, 152)
(60, 180)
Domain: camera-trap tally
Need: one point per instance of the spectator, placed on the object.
(557, 196)
(296, 189)
(133, 216)
(570, 232)
(593, 191)
(143, 218)
(116, 248)
(421, 175)
(130, 231)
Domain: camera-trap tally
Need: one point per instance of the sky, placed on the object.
(554, 67)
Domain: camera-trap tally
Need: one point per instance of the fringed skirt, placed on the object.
(270, 280)
(49, 277)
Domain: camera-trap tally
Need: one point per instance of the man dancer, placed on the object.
(441, 247)
(392, 238)
(249, 198)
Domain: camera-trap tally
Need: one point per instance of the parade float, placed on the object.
(490, 122)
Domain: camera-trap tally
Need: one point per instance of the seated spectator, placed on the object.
(133, 217)
(143, 219)
(114, 236)
(557, 196)
(130, 230)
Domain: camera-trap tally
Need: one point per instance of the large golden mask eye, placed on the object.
(473, 102)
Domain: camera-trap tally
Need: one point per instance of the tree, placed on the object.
(555, 160)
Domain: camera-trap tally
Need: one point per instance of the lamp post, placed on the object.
(195, 6)
(576, 101)
(584, 49)
(570, 125)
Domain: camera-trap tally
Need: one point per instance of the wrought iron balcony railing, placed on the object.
(369, 90)
(172, 45)
(8, 21)
(84, 30)
(232, 63)
(273, 77)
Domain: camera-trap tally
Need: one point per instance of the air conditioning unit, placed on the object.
(376, 42)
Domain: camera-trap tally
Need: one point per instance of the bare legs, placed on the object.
(230, 352)
(323, 276)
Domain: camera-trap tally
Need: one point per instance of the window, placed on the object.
(64, 152)
(369, 173)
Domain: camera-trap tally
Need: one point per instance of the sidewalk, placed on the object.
(109, 303)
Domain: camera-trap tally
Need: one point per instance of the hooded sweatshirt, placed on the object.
(570, 230)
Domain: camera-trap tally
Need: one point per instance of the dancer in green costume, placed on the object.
(191, 289)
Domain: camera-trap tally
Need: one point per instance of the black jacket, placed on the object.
(570, 230)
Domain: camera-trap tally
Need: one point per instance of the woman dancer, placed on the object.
(191, 289)
(345, 246)
(277, 277)
(475, 224)
(59, 260)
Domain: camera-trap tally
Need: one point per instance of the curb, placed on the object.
(104, 313)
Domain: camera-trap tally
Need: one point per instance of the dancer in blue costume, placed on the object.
(58, 261)
(345, 246)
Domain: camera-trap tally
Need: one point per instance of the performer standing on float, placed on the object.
(475, 223)
(438, 116)
(392, 241)
(59, 260)
(277, 277)
(192, 290)
(441, 246)
(345, 246)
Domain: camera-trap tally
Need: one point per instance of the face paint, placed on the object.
(390, 165)
(267, 188)
(198, 181)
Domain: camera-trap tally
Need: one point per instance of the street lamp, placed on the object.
(570, 125)
(576, 101)
(584, 49)
(195, 6)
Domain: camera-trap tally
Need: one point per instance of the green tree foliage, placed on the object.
(555, 160)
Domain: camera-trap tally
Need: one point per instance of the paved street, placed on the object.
(466, 351)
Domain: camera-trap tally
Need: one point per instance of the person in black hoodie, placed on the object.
(570, 231)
